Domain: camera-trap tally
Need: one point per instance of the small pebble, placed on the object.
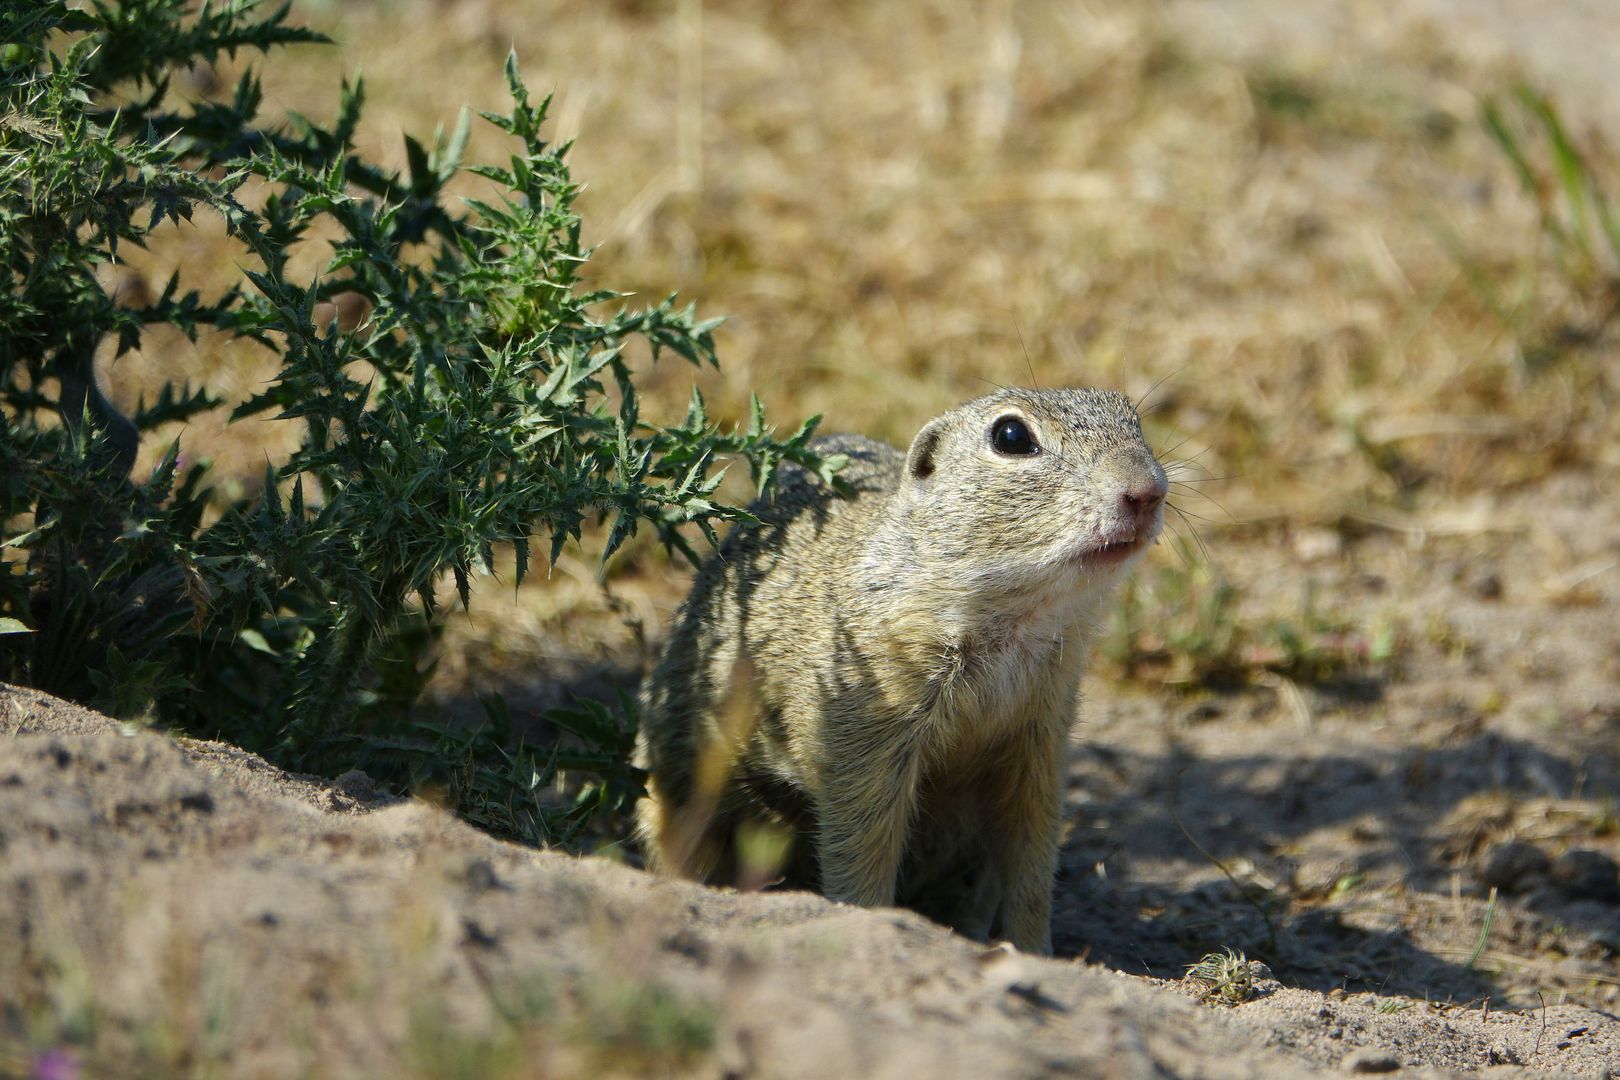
(1488, 586)
(1313, 544)
(1371, 1061)
(480, 876)
(357, 785)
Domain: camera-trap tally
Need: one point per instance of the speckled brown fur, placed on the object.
(891, 678)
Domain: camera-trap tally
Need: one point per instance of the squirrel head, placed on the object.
(1022, 489)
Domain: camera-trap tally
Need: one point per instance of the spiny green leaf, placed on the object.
(468, 410)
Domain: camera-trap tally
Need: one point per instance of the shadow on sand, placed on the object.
(1249, 812)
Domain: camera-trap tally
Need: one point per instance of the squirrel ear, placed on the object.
(920, 458)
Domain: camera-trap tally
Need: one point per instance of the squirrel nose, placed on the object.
(1142, 498)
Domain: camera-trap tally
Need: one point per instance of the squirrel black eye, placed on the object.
(1010, 435)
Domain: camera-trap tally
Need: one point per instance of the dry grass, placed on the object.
(900, 205)
(1223, 978)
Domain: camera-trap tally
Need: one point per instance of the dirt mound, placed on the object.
(175, 905)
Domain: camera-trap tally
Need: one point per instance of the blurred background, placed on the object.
(1289, 233)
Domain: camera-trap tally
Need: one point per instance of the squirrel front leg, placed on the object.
(864, 812)
(1029, 813)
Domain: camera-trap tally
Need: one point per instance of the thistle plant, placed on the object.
(498, 406)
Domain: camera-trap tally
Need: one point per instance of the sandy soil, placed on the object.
(197, 910)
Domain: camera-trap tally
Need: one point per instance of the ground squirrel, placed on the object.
(887, 681)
